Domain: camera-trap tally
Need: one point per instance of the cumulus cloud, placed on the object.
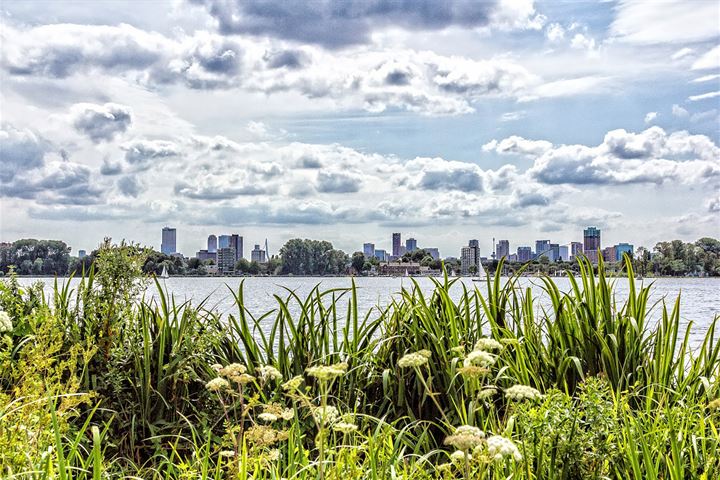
(100, 122)
(130, 186)
(21, 150)
(517, 145)
(679, 111)
(143, 153)
(57, 181)
(650, 117)
(337, 182)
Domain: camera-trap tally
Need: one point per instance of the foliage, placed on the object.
(35, 257)
(312, 257)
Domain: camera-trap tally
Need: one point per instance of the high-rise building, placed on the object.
(621, 248)
(224, 241)
(609, 254)
(236, 242)
(212, 244)
(411, 245)
(381, 255)
(434, 252)
(204, 255)
(524, 254)
(475, 245)
(591, 243)
(226, 259)
(564, 253)
(468, 258)
(576, 250)
(82, 253)
(168, 245)
(258, 255)
(369, 250)
(542, 247)
(554, 252)
(502, 248)
(396, 244)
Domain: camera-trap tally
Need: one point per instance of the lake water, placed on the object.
(699, 297)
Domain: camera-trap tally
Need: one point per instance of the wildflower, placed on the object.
(216, 367)
(268, 417)
(243, 379)
(473, 371)
(287, 414)
(325, 415)
(232, 370)
(326, 373)
(217, 384)
(465, 437)
(268, 372)
(500, 448)
(488, 345)
(416, 359)
(264, 435)
(715, 404)
(344, 427)
(480, 358)
(487, 393)
(5, 322)
(293, 384)
(273, 455)
(458, 349)
(458, 456)
(226, 454)
(425, 353)
(522, 392)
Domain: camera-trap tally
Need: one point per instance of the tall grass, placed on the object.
(609, 392)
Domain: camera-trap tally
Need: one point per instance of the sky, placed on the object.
(349, 120)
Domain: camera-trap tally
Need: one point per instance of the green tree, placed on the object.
(358, 261)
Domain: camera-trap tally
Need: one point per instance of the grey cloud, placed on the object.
(465, 180)
(397, 78)
(110, 168)
(101, 122)
(130, 186)
(57, 182)
(330, 182)
(20, 150)
(340, 23)
(142, 152)
(217, 192)
(291, 59)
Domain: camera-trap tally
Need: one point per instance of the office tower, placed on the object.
(609, 254)
(204, 255)
(502, 248)
(554, 252)
(524, 254)
(541, 248)
(434, 252)
(369, 250)
(82, 253)
(236, 242)
(224, 241)
(401, 251)
(411, 245)
(591, 243)
(212, 244)
(396, 244)
(621, 248)
(475, 245)
(381, 255)
(564, 253)
(226, 259)
(468, 258)
(169, 241)
(576, 249)
(257, 255)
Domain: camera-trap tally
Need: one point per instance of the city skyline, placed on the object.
(515, 120)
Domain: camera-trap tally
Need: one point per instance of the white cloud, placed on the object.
(704, 96)
(706, 78)
(555, 32)
(679, 111)
(710, 59)
(650, 117)
(582, 42)
(682, 53)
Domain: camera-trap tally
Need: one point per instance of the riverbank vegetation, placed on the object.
(104, 382)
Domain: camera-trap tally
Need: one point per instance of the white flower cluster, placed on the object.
(415, 359)
(486, 393)
(268, 372)
(217, 384)
(344, 427)
(465, 437)
(293, 384)
(479, 358)
(268, 417)
(5, 322)
(499, 448)
(522, 392)
(326, 416)
(488, 345)
(326, 373)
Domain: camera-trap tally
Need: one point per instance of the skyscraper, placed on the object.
(257, 255)
(224, 241)
(369, 250)
(541, 248)
(212, 244)
(576, 249)
(226, 259)
(524, 254)
(503, 248)
(396, 244)
(468, 258)
(168, 245)
(591, 243)
(411, 245)
(236, 242)
(564, 253)
(475, 245)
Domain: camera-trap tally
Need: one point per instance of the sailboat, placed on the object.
(164, 273)
(480, 273)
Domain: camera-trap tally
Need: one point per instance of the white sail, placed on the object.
(164, 273)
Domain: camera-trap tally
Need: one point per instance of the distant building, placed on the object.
(369, 250)
(411, 245)
(381, 255)
(622, 248)
(434, 252)
(576, 249)
(236, 242)
(226, 260)
(475, 245)
(542, 247)
(502, 249)
(82, 254)
(224, 241)
(591, 243)
(258, 255)
(468, 258)
(169, 241)
(564, 253)
(212, 244)
(524, 254)
(204, 255)
(554, 252)
(396, 244)
(609, 254)
(402, 268)
(401, 251)
(512, 257)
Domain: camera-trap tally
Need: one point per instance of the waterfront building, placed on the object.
(258, 255)
(468, 258)
(169, 241)
(236, 242)
(475, 245)
(524, 254)
(82, 254)
(512, 257)
(369, 250)
(553, 253)
(564, 253)
(542, 247)
(224, 241)
(401, 251)
(212, 244)
(226, 260)
(621, 248)
(576, 249)
(502, 249)
(402, 268)
(381, 255)
(591, 243)
(205, 255)
(609, 254)
(411, 245)
(434, 252)
(396, 244)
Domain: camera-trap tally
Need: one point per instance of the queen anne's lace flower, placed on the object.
(268, 372)
(273, 455)
(416, 359)
(499, 448)
(5, 322)
(268, 417)
(326, 373)
(522, 392)
(287, 414)
(487, 393)
(293, 384)
(326, 416)
(465, 437)
(217, 384)
(715, 404)
(457, 457)
(479, 358)
(488, 345)
(227, 454)
(344, 427)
